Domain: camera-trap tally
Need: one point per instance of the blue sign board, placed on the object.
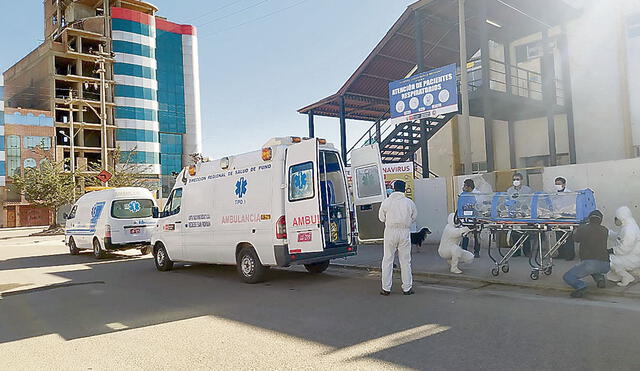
(428, 94)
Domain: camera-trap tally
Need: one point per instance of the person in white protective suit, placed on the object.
(626, 252)
(398, 213)
(450, 249)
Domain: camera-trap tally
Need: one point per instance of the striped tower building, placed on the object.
(157, 94)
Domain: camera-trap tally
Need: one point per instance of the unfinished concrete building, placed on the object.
(151, 86)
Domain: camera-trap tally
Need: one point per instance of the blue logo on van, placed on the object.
(241, 187)
(133, 206)
(96, 210)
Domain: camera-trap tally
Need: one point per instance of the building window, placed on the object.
(476, 167)
(13, 154)
(35, 141)
(29, 163)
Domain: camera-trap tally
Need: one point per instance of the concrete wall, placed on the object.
(431, 201)
(596, 76)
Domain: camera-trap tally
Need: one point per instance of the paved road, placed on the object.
(70, 312)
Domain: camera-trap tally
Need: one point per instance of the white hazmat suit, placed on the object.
(450, 245)
(626, 252)
(398, 213)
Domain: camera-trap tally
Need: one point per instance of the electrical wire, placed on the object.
(214, 11)
(523, 13)
(234, 13)
(255, 19)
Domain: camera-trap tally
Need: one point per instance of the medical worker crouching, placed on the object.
(398, 213)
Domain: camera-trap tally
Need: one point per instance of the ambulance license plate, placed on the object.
(134, 230)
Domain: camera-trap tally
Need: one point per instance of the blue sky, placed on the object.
(260, 60)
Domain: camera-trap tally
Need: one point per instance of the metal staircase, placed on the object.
(399, 142)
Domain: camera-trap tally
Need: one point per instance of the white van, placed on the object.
(287, 203)
(111, 219)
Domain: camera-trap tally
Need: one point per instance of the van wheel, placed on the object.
(249, 266)
(145, 250)
(98, 252)
(316, 268)
(160, 256)
(73, 249)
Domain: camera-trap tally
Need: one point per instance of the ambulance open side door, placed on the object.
(302, 199)
(368, 192)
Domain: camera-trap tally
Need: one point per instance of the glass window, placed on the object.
(34, 141)
(131, 208)
(301, 181)
(368, 181)
(173, 203)
(29, 162)
(72, 213)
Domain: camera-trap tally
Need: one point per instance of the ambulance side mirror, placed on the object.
(155, 212)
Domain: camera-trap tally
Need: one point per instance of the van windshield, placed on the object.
(131, 209)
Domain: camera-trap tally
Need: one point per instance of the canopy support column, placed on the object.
(424, 145)
(312, 133)
(549, 96)
(343, 131)
(486, 87)
(566, 89)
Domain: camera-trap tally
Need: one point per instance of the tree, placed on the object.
(46, 186)
(125, 172)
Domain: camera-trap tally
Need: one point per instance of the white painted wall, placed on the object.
(431, 202)
(595, 47)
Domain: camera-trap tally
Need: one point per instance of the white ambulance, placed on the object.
(285, 204)
(111, 219)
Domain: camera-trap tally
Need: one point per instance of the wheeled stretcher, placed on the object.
(526, 216)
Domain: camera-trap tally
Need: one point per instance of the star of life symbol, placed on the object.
(241, 187)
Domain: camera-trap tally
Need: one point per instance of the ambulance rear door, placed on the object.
(302, 200)
(368, 192)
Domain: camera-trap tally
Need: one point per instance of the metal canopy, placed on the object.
(366, 91)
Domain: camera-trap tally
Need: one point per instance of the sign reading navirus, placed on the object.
(428, 94)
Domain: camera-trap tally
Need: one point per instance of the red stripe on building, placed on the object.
(131, 15)
(183, 29)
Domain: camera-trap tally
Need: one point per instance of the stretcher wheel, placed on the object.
(505, 268)
(495, 272)
(534, 275)
(548, 271)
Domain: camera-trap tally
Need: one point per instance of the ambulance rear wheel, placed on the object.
(249, 266)
(73, 249)
(316, 268)
(161, 258)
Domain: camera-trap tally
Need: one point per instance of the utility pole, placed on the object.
(72, 140)
(103, 108)
(464, 128)
(100, 61)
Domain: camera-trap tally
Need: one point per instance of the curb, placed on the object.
(458, 277)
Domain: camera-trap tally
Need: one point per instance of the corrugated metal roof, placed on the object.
(366, 91)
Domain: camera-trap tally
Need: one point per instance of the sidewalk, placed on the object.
(6, 233)
(427, 263)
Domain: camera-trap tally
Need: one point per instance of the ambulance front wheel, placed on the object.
(249, 266)
(161, 258)
(316, 268)
(73, 249)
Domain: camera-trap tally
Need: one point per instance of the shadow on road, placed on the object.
(335, 310)
(42, 261)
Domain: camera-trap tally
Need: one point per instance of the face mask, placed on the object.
(389, 192)
(559, 187)
(516, 183)
(618, 222)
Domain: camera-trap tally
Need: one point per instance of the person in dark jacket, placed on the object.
(594, 257)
